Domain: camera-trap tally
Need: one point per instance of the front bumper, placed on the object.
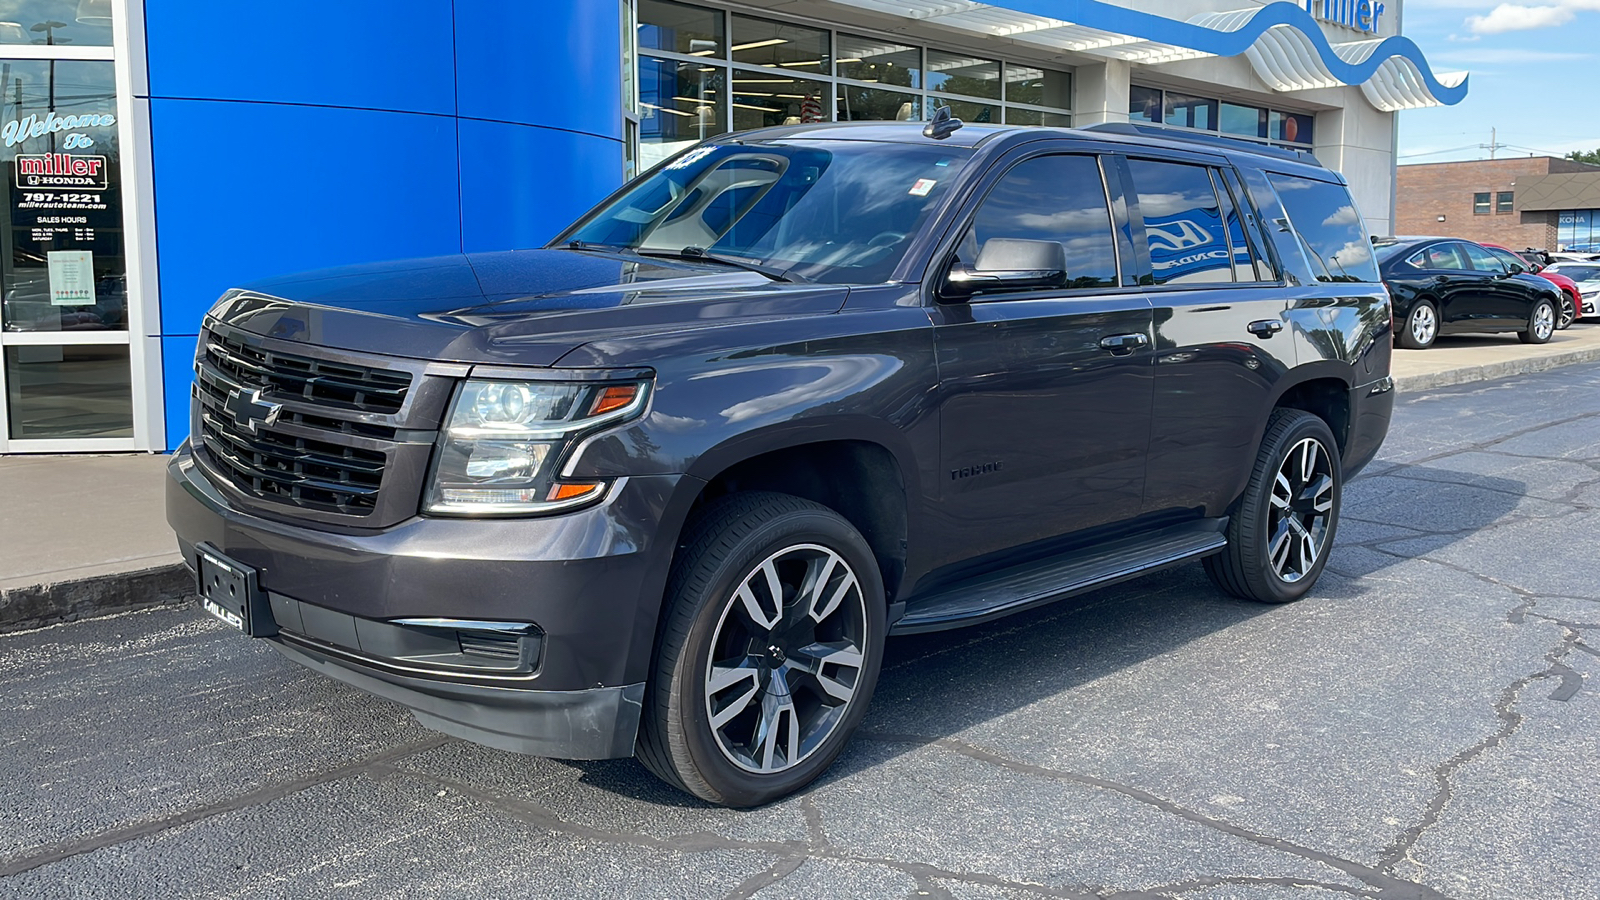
(590, 581)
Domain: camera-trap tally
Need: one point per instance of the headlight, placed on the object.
(499, 447)
(1590, 294)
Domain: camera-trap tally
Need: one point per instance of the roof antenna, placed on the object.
(942, 125)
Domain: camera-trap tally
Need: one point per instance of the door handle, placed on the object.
(1265, 328)
(1123, 344)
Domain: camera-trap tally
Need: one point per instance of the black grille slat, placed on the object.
(305, 459)
(337, 385)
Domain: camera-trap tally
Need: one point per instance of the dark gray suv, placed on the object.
(665, 486)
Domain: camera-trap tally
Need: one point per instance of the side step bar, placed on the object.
(996, 594)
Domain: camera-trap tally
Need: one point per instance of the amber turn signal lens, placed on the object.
(614, 398)
(572, 491)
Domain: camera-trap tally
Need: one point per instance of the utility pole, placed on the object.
(1494, 143)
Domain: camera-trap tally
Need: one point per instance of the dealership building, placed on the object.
(158, 153)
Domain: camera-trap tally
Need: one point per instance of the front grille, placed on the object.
(299, 471)
(289, 375)
(329, 447)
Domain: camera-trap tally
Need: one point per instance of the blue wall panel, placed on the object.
(299, 187)
(556, 64)
(521, 185)
(382, 54)
(177, 371)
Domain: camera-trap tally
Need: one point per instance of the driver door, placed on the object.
(1045, 393)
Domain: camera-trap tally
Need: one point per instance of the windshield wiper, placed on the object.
(593, 247)
(697, 253)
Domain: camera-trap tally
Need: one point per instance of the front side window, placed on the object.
(831, 211)
(1183, 223)
(1511, 261)
(1480, 204)
(1051, 198)
(1329, 229)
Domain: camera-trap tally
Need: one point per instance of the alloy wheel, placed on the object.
(1423, 325)
(1301, 511)
(786, 658)
(1544, 322)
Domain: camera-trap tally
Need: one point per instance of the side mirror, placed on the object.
(1010, 264)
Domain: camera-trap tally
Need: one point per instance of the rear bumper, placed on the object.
(588, 583)
(1371, 408)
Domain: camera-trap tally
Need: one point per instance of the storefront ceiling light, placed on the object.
(806, 62)
(851, 59)
(706, 52)
(763, 81)
(761, 108)
(766, 43)
(668, 109)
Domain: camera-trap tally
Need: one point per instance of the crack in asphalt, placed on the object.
(43, 856)
(1387, 886)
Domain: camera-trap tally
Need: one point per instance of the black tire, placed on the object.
(706, 617)
(1541, 323)
(1248, 567)
(1568, 313)
(1421, 326)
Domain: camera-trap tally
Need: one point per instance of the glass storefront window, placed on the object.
(1246, 121)
(760, 101)
(763, 42)
(1039, 87)
(82, 23)
(71, 391)
(1190, 112)
(880, 61)
(1018, 116)
(679, 103)
(972, 113)
(1293, 128)
(1144, 104)
(859, 104)
(959, 73)
(61, 263)
(680, 28)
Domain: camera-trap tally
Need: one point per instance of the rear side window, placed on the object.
(1183, 223)
(1052, 198)
(1328, 228)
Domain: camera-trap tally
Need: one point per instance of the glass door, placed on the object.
(66, 373)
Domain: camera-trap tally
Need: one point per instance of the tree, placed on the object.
(1592, 157)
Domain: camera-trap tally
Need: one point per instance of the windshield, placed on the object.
(1576, 273)
(831, 211)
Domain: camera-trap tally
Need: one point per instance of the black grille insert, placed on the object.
(290, 376)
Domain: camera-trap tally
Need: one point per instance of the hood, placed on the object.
(519, 307)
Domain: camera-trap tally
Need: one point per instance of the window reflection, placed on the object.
(857, 104)
(763, 42)
(81, 23)
(879, 61)
(761, 100)
(61, 263)
(1051, 198)
(1182, 223)
(1333, 235)
(680, 28)
(69, 392)
(679, 103)
(958, 73)
(1040, 87)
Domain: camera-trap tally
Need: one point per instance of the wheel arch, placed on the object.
(1321, 388)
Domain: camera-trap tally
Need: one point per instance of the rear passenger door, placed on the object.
(1220, 333)
(1044, 393)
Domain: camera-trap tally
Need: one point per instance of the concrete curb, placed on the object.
(1490, 371)
(47, 604)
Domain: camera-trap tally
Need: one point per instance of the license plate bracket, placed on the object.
(232, 592)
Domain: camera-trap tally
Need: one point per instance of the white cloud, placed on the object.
(1520, 17)
(1344, 215)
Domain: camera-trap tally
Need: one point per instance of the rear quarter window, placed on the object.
(1328, 227)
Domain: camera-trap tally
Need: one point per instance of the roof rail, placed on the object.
(1201, 137)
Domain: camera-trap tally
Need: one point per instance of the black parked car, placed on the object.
(665, 486)
(1453, 286)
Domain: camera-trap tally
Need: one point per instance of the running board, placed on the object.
(996, 594)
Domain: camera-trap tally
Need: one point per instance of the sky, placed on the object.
(1533, 65)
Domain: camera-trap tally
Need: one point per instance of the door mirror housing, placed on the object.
(1009, 264)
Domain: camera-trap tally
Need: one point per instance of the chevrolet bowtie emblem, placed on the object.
(249, 411)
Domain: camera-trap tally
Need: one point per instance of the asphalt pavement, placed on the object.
(1424, 725)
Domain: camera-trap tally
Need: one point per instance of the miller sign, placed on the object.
(1362, 15)
(61, 170)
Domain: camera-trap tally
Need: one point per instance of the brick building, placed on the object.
(1534, 201)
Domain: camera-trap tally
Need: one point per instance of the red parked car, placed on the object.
(1571, 307)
